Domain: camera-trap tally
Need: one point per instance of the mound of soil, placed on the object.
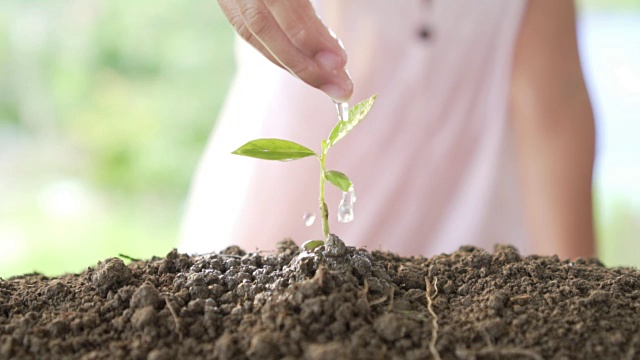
(337, 302)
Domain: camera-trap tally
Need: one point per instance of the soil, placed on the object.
(337, 302)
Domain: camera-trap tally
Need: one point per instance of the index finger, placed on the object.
(302, 25)
(322, 71)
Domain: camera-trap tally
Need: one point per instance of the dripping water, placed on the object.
(345, 209)
(343, 110)
(309, 218)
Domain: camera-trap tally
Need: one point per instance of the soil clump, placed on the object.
(336, 302)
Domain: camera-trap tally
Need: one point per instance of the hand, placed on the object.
(292, 36)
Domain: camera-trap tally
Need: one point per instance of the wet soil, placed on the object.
(337, 302)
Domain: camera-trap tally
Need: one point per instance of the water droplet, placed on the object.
(345, 209)
(309, 218)
(343, 110)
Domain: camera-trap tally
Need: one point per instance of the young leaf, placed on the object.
(356, 114)
(274, 149)
(340, 180)
(310, 245)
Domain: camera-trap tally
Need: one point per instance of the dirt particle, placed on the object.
(124, 293)
(449, 288)
(226, 347)
(464, 289)
(145, 295)
(26, 321)
(76, 326)
(494, 327)
(56, 289)
(196, 331)
(6, 346)
(327, 351)
(505, 254)
(401, 305)
(263, 346)
(233, 250)
(197, 305)
(199, 292)
(392, 327)
(287, 247)
(90, 320)
(411, 278)
(58, 328)
(159, 354)
(551, 299)
(335, 246)
(143, 317)
(110, 275)
(598, 296)
(497, 301)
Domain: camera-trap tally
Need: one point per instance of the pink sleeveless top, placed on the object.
(433, 164)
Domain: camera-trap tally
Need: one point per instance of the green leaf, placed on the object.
(356, 114)
(340, 180)
(274, 149)
(312, 244)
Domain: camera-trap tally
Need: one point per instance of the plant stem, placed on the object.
(324, 211)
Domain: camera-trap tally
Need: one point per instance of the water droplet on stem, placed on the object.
(345, 209)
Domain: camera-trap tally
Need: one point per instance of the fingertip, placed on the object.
(337, 92)
(348, 86)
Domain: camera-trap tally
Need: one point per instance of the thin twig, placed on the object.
(175, 317)
(413, 315)
(488, 338)
(127, 257)
(365, 293)
(434, 322)
(215, 253)
(632, 349)
(491, 349)
(378, 301)
(231, 256)
(320, 275)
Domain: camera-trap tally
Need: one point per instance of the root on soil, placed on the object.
(176, 319)
(434, 322)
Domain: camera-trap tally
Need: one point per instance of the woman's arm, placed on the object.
(554, 131)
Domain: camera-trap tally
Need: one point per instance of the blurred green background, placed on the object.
(105, 107)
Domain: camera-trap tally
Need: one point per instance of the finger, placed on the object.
(300, 22)
(231, 12)
(263, 27)
(262, 24)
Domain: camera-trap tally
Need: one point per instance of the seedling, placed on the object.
(285, 150)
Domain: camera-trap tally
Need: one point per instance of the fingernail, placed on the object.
(336, 92)
(330, 60)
